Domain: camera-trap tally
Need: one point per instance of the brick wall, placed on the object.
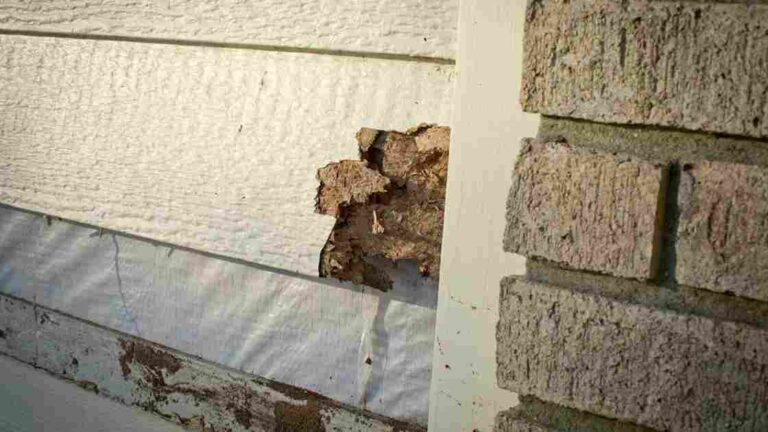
(642, 206)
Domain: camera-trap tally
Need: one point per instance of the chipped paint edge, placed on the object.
(178, 387)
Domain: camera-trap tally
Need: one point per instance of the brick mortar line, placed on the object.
(682, 299)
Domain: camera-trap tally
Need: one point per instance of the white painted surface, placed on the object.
(33, 401)
(209, 148)
(93, 356)
(411, 27)
(487, 128)
(304, 332)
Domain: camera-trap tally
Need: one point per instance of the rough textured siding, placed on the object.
(697, 65)
(585, 209)
(366, 26)
(200, 124)
(211, 149)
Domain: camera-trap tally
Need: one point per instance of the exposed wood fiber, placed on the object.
(389, 203)
(346, 183)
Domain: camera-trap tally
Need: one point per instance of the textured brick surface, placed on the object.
(723, 228)
(653, 367)
(698, 65)
(585, 209)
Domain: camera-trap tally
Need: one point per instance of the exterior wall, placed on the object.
(683, 348)
(180, 388)
(199, 127)
(197, 146)
(422, 29)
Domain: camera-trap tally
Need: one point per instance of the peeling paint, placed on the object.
(253, 404)
(180, 388)
(154, 362)
(298, 418)
(389, 203)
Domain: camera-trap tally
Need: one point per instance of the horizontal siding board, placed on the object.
(208, 148)
(176, 386)
(309, 333)
(411, 27)
(33, 400)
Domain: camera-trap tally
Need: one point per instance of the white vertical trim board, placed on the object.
(424, 28)
(209, 148)
(487, 128)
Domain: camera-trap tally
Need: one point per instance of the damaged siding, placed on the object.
(211, 149)
(388, 204)
(201, 127)
(272, 325)
(182, 389)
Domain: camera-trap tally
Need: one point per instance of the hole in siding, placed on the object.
(388, 204)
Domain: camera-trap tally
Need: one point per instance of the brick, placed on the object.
(722, 242)
(698, 65)
(628, 361)
(586, 209)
